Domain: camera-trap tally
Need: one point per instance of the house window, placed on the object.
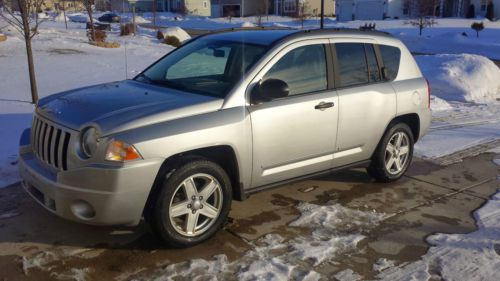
(289, 6)
(205, 4)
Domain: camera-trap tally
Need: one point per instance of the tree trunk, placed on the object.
(91, 18)
(64, 13)
(29, 53)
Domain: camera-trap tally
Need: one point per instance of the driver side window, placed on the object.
(303, 69)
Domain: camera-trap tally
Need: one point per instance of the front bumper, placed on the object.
(100, 195)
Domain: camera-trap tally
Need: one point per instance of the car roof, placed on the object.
(267, 37)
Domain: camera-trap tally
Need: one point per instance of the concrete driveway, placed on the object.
(35, 245)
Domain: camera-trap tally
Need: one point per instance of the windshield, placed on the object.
(207, 67)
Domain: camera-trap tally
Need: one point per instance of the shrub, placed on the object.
(477, 26)
(126, 29)
(2, 37)
(97, 36)
(172, 41)
(160, 35)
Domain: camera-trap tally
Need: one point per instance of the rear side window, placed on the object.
(391, 57)
(352, 64)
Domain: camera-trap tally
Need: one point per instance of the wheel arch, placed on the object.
(410, 119)
(223, 155)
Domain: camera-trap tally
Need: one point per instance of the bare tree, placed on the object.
(303, 12)
(64, 13)
(27, 25)
(261, 10)
(89, 4)
(422, 12)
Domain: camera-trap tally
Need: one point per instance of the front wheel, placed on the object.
(393, 155)
(193, 203)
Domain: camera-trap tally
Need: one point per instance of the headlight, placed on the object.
(89, 142)
(120, 151)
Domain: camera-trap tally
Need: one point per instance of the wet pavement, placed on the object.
(35, 245)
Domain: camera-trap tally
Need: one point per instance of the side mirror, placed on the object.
(268, 90)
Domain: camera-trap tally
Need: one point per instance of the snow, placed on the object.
(335, 230)
(60, 18)
(382, 264)
(177, 32)
(464, 78)
(348, 275)
(472, 256)
(247, 24)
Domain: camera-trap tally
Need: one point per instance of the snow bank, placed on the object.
(472, 256)
(139, 20)
(78, 17)
(463, 78)
(247, 24)
(177, 32)
(60, 18)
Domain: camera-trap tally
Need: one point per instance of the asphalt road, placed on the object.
(429, 199)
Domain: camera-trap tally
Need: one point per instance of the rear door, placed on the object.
(367, 103)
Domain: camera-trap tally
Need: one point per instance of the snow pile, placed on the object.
(139, 20)
(335, 229)
(60, 18)
(463, 78)
(438, 104)
(247, 24)
(78, 17)
(43, 16)
(178, 32)
(348, 275)
(472, 256)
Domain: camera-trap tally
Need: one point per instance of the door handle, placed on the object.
(324, 105)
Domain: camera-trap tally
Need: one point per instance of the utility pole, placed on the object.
(322, 22)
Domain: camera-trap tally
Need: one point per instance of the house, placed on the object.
(381, 9)
(195, 7)
(480, 7)
(237, 8)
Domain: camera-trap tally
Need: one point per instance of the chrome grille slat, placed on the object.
(46, 140)
(50, 143)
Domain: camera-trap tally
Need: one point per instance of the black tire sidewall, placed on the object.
(161, 220)
(377, 167)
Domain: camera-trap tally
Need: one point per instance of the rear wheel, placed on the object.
(393, 155)
(193, 203)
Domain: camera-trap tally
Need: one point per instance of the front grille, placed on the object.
(50, 143)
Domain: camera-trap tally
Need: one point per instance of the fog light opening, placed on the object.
(82, 210)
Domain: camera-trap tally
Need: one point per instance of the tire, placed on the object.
(182, 214)
(385, 166)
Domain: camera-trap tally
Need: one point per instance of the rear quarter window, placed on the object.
(391, 57)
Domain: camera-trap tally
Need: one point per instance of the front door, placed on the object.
(295, 135)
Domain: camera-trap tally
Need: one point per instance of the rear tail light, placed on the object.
(428, 93)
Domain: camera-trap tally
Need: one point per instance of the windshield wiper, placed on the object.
(168, 84)
(145, 78)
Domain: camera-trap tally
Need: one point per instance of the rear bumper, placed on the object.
(425, 121)
(92, 195)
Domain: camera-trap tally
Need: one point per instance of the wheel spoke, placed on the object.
(191, 222)
(209, 189)
(209, 211)
(190, 188)
(179, 209)
(389, 164)
(404, 150)
(398, 164)
(390, 149)
(399, 139)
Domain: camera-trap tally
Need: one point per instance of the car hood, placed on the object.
(119, 106)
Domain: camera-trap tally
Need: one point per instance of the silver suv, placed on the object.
(225, 115)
